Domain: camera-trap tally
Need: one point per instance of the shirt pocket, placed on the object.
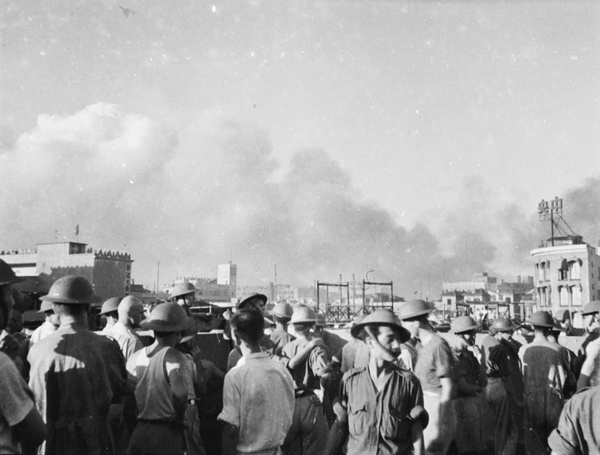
(357, 417)
(395, 428)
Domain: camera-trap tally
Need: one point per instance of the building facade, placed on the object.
(567, 275)
(109, 272)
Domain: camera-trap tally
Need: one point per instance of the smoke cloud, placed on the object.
(197, 197)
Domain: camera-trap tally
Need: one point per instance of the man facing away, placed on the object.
(544, 377)
(76, 374)
(258, 395)
(500, 393)
(164, 387)
(380, 406)
(131, 314)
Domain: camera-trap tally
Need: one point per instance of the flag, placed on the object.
(77, 230)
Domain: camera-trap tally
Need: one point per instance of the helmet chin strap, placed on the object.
(389, 356)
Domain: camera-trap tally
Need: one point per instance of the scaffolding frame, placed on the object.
(346, 312)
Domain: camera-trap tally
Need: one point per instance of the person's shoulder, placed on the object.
(353, 373)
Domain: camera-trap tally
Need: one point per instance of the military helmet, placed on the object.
(7, 275)
(249, 301)
(167, 317)
(381, 317)
(303, 314)
(463, 324)
(183, 288)
(413, 309)
(283, 310)
(591, 308)
(541, 319)
(71, 290)
(110, 305)
(502, 325)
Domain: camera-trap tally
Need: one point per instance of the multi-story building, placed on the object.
(567, 274)
(109, 272)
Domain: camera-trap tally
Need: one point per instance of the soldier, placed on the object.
(164, 386)
(434, 368)
(110, 311)
(470, 379)
(544, 378)
(355, 354)
(258, 396)
(505, 401)
(282, 313)
(381, 405)
(21, 426)
(308, 433)
(76, 374)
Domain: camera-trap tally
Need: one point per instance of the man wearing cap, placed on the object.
(164, 388)
(21, 426)
(48, 327)
(76, 374)
(110, 311)
(381, 405)
(258, 396)
(470, 380)
(589, 375)
(308, 433)
(544, 378)
(434, 368)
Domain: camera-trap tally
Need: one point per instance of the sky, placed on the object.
(413, 139)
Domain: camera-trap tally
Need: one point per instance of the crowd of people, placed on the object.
(291, 387)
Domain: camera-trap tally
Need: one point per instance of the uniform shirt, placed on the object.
(16, 401)
(258, 398)
(577, 431)
(592, 350)
(75, 376)
(434, 361)
(467, 366)
(355, 354)
(128, 340)
(377, 420)
(306, 374)
(280, 338)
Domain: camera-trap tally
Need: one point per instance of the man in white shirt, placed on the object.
(258, 396)
(49, 326)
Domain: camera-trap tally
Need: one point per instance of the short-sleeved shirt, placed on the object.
(577, 431)
(434, 361)
(16, 401)
(308, 372)
(128, 340)
(75, 375)
(378, 420)
(258, 398)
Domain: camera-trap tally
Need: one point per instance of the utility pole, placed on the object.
(158, 278)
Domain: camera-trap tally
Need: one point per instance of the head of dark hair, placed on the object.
(248, 324)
